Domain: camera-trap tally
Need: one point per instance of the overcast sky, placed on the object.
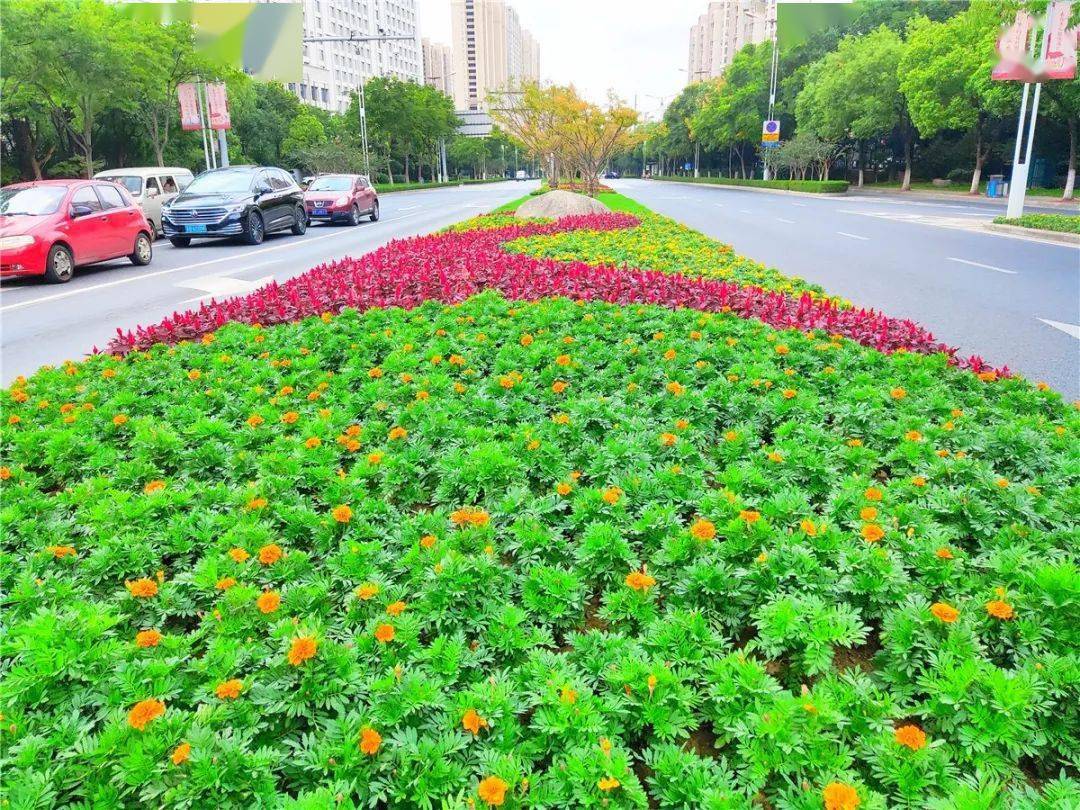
(629, 46)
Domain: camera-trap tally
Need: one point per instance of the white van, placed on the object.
(150, 186)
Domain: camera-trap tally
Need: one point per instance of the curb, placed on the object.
(1035, 233)
(958, 196)
(815, 194)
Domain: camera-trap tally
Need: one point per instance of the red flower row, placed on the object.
(451, 267)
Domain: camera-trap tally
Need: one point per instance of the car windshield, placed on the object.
(221, 182)
(331, 184)
(35, 201)
(128, 181)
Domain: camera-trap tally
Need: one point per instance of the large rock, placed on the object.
(557, 204)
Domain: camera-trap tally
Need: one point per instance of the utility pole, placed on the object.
(774, 70)
(1018, 180)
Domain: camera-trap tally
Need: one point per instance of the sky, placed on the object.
(634, 47)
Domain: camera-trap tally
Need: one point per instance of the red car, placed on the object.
(341, 198)
(50, 227)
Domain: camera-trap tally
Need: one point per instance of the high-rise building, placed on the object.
(491, 50)
(333, 70)
(724, 29)
(438, 66)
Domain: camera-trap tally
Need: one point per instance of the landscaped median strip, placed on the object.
(452, 266)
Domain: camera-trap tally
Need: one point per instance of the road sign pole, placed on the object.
(1018, 180)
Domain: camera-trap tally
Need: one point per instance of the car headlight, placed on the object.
(15, 242)
(235, 208)
(342, 200)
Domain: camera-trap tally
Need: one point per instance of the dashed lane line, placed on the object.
(984, 266)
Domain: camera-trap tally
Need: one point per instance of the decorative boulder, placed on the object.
(557, 204)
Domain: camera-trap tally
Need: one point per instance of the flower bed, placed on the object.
(552, 554)
(451, 266)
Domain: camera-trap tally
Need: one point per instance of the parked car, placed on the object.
(247, 202)
(50, 227)
(521, 175)
(151, 187)
(341, 198)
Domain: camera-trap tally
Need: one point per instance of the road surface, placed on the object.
(45, 323)
(1013, 301)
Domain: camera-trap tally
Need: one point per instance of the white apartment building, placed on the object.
(333, 71)
(491, 51)
(438, 66)
(724, 29)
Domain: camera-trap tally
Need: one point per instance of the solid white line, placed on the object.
(409, 207)
(801, 205)
(144, 276)
(1067, 328)
(854, 236)
(984, 266)
(719, 205)
(745, 211)
(787, 221)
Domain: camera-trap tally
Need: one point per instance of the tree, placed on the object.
(468, 153)
(1064, 105)
(854, 92)
(679, 115)
(305, 131)
(945, 76)
(262, 113)
(732, 110)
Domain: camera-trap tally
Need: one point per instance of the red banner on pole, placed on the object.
(1061, 51)
(218, 103)
(190, 118)
(1012, 47)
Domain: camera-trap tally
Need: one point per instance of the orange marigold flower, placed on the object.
(703, 529)
(898, 393)
(64, 551)
(144, 711)
(526, 340)
(5, 473)
(1000, 609)
(493, 791)
(268, 602)
(397, 433)
(395, 608)
(840, 796)
(182, 754)
(370, 741)
(473, 722)
(872, 533)
(119, 419)
(225, 583)
(730, 436)
(428, 541)
(561, 419)
(562, 360)
(913, 436)
(374, 373)
(229, 690)
(944, 613)
(154, 486)
(606, 783)
(808, 526)
(559, 386)
(676, 389)
(670, 354)
(147, 638)
(611, 495)
(14, 419)
(563, 488)
(290, 417)
(313, 442)
(682, 424)
(302, 649)
(255, 420)
(108, 373)
(342, 513)
(749, 516)
(639, 581)
(944, 553)
(367, 591)
(375, 458)
(257, 503)
(872, 494)
(789, 393)
(1002, 482)
(194, 374)
(238, 554)
(142, 588)
(867, 513)
(918, 481)
(270, 554)
(459, 388)
(384, 633)
(776, 457)
(854, 442)
(668, 439)
(911, 736)
(568, 695)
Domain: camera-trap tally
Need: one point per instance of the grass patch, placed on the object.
(957, 188)
(386, 188)
(1060, 223)
(809, 186)
(613, 200)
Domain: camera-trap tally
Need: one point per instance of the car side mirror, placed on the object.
(81, 211)
(152, 192)
(263, 188)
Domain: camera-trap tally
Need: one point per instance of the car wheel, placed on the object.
(254, 230)
(299, 227)
(375, 212)
(180, 241)
(60, 265)
(354, 215)
(144, 250)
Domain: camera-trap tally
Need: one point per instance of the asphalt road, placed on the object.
(988, 294)
(45, 323)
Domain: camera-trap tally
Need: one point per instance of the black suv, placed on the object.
(239, 201)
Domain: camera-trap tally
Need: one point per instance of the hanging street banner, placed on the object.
(218, 103)
(1013, 46)
(190, 119)
(770, 134)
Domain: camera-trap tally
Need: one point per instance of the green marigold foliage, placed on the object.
(1062, 223)
(537, 555)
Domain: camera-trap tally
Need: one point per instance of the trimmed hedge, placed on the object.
(1061, 223)
(811, 186)
(384, 188)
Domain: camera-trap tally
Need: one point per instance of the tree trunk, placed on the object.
(976, 176)
(406, 167)
(1070, 175)
(742, 163)
(26, 148)
(906, 184)
(389, 169)
(862, 156)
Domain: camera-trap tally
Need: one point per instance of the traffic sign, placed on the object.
(770, 134)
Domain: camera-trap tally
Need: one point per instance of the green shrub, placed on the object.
(812, 186)
(1062, 223)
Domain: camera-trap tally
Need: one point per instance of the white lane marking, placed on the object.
(409, 207)
(984, 266)
(1067, 328)
(222, 287)
(854, 236)
(144, 276)
(801, 205)
(719, 205)
(745, 211)
(787, 221)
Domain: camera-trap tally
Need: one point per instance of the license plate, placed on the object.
(194, 229)
(320, 212)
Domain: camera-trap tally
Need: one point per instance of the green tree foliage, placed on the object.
(262, 113)
(945, 77)
(678, 117)
(305, 131)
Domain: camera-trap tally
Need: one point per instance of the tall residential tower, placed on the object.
(491, 51)
(723, 30)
